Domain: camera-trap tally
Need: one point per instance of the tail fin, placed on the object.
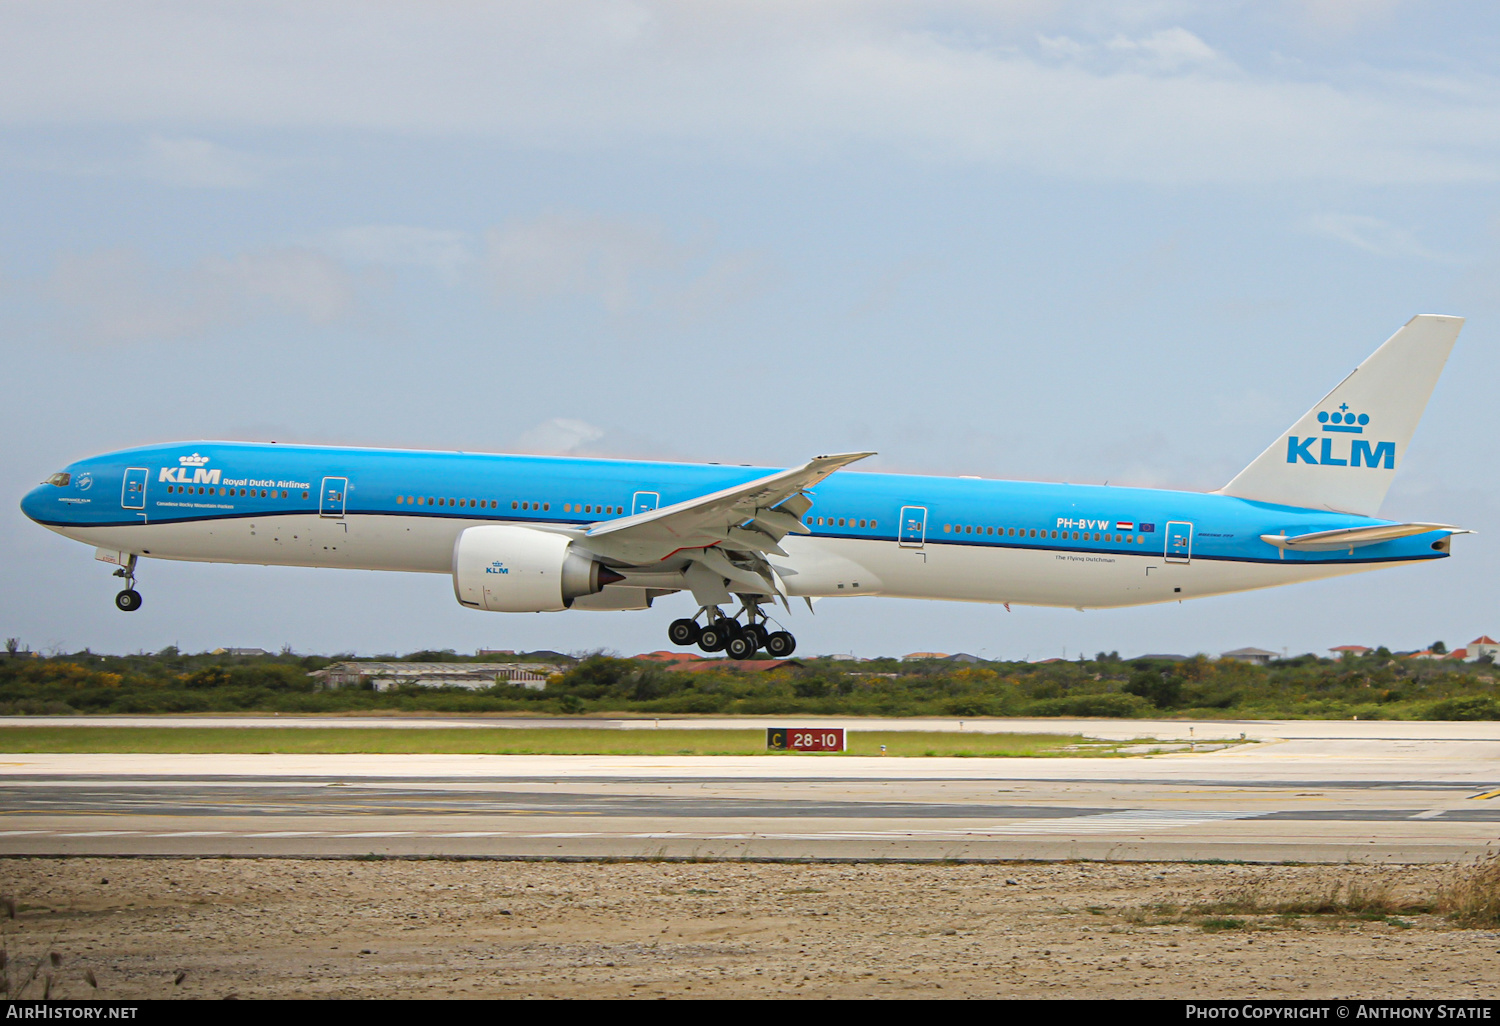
(1342, 454)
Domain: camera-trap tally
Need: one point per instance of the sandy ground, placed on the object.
(366, 929)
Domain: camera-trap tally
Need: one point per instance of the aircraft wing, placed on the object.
(749, 518)
(1354, 537)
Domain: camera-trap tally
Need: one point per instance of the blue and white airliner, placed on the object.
(543, 534)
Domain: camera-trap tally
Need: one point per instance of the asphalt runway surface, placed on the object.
(1386, 792)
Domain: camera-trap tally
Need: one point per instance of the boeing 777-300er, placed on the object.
(540, 534)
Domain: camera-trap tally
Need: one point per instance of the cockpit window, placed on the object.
(61, 480)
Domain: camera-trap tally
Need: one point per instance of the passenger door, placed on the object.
(1179, 542)
(331, 500)
(645, 502)
(912, 532)
(133, 492)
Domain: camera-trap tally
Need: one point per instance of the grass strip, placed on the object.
(510, 741)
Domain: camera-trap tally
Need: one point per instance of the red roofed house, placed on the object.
(1357, 650)
(669, 657)
(1484, 645)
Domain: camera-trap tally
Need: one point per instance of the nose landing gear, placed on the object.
(726, 634)
(129, 600)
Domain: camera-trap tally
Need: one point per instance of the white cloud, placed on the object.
(118, 296)
(398, 245)
(1346, 15)
(1168, 51)
(1372, 235)
(1123, 92)
(559, 436)
(558, 255)
(198, 163)
(625, 265)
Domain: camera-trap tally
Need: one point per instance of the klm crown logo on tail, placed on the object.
(1359, 453)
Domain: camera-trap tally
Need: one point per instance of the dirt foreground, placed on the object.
(391, 929)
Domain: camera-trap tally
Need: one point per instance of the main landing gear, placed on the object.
(720, 633)
(129, 600)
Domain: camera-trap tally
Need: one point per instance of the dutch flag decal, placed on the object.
(1124, 525)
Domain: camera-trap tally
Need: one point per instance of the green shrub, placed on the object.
(1476, 707)
(1090, 705)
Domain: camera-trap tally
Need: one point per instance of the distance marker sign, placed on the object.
(805, 739)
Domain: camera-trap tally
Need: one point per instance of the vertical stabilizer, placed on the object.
(1342, 454)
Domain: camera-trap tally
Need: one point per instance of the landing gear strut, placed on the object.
(129, 600)
(720, 633)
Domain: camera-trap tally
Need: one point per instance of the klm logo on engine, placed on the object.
(1319, 449)
(497, 567)
(179, 474)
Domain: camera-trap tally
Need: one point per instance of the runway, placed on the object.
(1430, 793)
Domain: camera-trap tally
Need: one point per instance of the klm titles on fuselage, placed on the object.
(1360, 452)
(203, 476)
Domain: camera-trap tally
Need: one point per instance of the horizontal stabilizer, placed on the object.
(1342, 454)
(1354, 537)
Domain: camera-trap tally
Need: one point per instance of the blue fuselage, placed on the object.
(221, 481)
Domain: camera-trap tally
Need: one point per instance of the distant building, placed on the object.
(1482, 646)
(240, 652)
(962, 657)
(1254, 656)
(915, 656)
(495, 651)
(1355, 650)
(475, 676)
(663, 656)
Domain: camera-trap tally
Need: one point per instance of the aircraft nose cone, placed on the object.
(34, 505)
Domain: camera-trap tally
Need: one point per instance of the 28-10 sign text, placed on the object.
(805, 739)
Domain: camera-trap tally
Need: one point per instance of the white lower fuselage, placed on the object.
(814, 567)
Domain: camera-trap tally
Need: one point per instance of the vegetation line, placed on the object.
(1371, 686)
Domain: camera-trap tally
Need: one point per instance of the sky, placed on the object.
(1092, 242)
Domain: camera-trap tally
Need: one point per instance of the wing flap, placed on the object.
(769, 507)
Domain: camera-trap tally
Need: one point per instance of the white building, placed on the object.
(473, 676)
(1482, 646)
(1256, 656)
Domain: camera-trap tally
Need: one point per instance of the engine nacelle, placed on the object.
(521, 570)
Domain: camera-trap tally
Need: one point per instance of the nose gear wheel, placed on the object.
(129, 600)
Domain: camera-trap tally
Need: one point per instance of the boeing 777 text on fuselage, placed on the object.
(541, 534)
